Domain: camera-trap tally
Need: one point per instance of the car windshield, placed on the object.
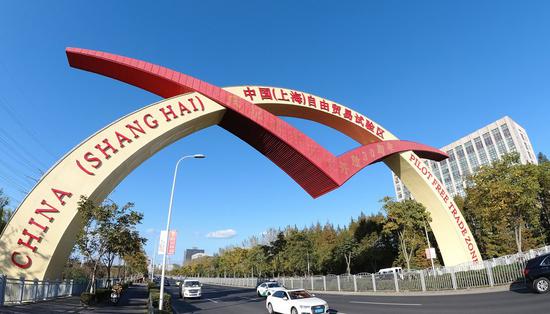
(301, 294)
(191, 284)
(273, 285)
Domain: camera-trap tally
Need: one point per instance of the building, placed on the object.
(190, 252)
(198, 255)
(479, 148)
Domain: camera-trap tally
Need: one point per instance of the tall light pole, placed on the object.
(161, 300)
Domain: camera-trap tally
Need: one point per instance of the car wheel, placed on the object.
(258, 293)
(541, 285)
(293, 311)
(270, 308)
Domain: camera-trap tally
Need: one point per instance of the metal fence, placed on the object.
(494, 272)
(20, 290)
(17, 291)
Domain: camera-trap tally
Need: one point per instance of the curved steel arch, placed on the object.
(308, 163)
(40, 234)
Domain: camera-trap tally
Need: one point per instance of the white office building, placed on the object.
(474, 150)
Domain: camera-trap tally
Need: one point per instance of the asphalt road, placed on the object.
(231, 300)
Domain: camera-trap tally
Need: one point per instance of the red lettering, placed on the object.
(121, 139)
(89, 157)
(33, 222)
(192, 104)
(200, 102)
(83, 169)
(183, 108)
(104, 149)
(29, 240)
(151, 124)
(21, 265)
(137, 128)
(170, 111)
(51, 209)
(60, 195)
(424, 170)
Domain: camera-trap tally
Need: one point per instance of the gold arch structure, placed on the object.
(40, 235)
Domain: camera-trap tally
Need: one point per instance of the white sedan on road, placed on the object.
(267, 288)
(295, 302)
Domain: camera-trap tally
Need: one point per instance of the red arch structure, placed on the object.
(314, 168)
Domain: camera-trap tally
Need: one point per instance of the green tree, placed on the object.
(347, 248)
(104, 227)
(544, 195)
(376, 250)
(406, 221)
(296, 252)
(5, 213)
(502, 206)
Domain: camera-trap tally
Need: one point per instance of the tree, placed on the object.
(347, 247)
(106, 228)
(120, 234)
(544, 195)
(541, 158)
(502, 207)
(406, 221)
(376, 250)
(296, 254)
(4, 212)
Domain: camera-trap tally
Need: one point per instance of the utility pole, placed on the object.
(308, 273)
(429, 247)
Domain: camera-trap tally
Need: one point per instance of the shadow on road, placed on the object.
(519, 286)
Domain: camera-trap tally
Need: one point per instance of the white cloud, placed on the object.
(150, 230)
(222, 234)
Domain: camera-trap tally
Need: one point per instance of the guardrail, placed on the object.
(505, 270)
(17, 291)
(20, 290)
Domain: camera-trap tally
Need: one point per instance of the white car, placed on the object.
(267, 288)
(295, 302)
(190, 289)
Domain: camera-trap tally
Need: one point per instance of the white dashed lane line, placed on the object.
(381, 303)
(212, 300)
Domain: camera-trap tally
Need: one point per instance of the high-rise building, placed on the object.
(479, 148)
(190, 252)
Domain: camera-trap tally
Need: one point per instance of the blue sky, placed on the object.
(429, 71)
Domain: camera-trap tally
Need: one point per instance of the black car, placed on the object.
(537, 273)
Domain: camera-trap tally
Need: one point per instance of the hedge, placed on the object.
(154, 296)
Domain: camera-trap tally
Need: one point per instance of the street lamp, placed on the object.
(161, 300)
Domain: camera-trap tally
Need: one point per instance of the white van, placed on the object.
(387, 272)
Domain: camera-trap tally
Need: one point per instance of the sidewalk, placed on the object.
(133, 301)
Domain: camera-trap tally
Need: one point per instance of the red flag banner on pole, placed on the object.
(172, 242)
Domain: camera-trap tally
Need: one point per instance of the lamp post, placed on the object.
(161, 300)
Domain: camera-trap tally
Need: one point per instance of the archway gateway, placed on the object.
(40, 235)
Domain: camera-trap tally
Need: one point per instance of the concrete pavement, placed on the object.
(132, 301)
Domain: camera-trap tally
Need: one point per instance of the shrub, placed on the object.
(102, 294)
(154, 296)
(87, 298)
(152, 285)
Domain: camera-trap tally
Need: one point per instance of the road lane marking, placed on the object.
(382, 303)
(212, 300)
